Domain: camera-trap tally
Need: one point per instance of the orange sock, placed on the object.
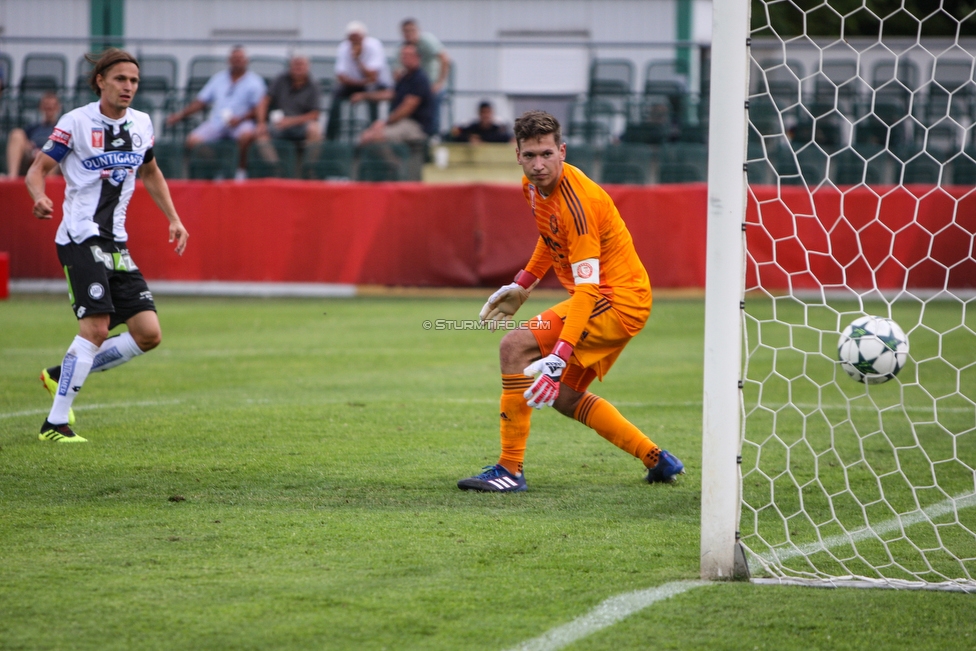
(515, 419)
(596, 413)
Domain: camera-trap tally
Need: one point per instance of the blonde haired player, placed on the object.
(584, 240)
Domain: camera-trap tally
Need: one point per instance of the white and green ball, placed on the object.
(872, 349)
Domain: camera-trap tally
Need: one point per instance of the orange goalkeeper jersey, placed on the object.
(584, 239)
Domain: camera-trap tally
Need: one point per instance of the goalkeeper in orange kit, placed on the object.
(584, 240)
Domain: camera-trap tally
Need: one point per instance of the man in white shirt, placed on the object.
(361, 66)
(100, 147)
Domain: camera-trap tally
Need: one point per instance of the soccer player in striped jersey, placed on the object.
(100, 146)
(553, 361)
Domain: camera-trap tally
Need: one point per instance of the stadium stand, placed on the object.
(283, 165)
(803, 115)
(683, 162)
(201, 69)
(381, 162)
(6, 104)
(268, 67)
(213, 161)
(157, 80)
(583, 156)
(82, 93)
(327, 160)
(627, 163)
(41, 73)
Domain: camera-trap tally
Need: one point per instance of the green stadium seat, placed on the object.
(214, 160)
(921, 169)
(611, 77)
(963, 169)
(268, 67)
(381, 162)
(261, 164)
(627, 163)
(583, 156)
(170, 157)
(593, 121)
(327, 160)
(683, 162)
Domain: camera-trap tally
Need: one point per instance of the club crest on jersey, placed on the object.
(553, 224)
(115, 176)
(136, 140)
(98, 138)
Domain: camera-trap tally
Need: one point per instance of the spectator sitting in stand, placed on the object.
(23, 144)
(290, 110)
(484, 129)
(434, 61)
(410, 111)
(361, 69)
(233, 96)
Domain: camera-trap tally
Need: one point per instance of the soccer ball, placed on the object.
(872, 349)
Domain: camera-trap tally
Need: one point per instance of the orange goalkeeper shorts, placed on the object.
(597, 349)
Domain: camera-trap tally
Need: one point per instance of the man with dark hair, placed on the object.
(100, 147)
(484, 129)
(552, 363)
(23, 145)
(410, 118)
(434, 61)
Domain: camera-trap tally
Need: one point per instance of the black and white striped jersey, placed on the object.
(99, 158)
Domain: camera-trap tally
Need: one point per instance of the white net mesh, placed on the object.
(861, 174)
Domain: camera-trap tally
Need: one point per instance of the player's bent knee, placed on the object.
(94, 328)
(567, 401)
(147, 340)
(517, 349)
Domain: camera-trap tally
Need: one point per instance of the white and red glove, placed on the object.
(504, 303)
(546, 372)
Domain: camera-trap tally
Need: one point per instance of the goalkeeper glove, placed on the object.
(504, 303)
(546, 371)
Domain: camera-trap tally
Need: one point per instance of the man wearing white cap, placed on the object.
(361, 66)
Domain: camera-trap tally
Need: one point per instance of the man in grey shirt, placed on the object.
(290, 110)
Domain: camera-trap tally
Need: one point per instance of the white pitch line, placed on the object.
(608, 613)
(106, 405)
(617, 608)
(945, 507)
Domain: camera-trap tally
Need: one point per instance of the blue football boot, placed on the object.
(494, 479)
(667, 469)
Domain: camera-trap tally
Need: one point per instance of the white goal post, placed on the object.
(721, 413)
(841, 184)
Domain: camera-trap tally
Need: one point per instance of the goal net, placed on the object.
(860, 200)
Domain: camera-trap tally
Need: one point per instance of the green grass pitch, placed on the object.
(280, 474)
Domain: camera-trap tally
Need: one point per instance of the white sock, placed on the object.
(74, 369)
(115, 351)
